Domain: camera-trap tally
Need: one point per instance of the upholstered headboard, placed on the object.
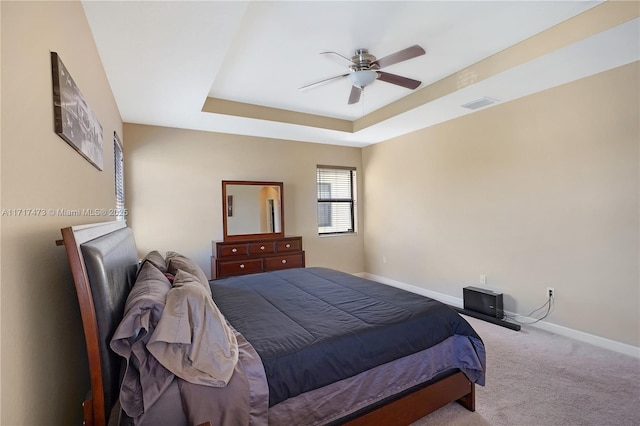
(103, 259)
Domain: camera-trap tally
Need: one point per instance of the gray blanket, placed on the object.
(316, 326)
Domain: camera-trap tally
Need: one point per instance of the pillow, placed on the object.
(193, 339)
(155, 258)
(145, 379)
(177, 261)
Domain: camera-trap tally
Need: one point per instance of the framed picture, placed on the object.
(74, 121)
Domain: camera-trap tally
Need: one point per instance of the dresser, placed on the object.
(251, 256)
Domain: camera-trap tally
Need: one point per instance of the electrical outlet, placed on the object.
(551, 292)
(483, 279)
(384, 259)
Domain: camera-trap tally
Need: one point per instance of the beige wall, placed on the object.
(174, 192)
(538, 192)
(44, 368)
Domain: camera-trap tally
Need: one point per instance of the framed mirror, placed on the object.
(252, 210)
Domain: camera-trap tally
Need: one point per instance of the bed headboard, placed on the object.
(103, 259)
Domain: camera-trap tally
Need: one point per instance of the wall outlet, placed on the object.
(483, 279)
(551, 292)
(384, 259)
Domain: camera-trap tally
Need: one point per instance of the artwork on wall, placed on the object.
(74, 121)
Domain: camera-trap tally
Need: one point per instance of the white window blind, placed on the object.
(118, 168)
(336, 199)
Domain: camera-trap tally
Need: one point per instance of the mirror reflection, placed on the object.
(252, 208)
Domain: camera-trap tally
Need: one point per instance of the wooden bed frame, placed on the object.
(402, 411)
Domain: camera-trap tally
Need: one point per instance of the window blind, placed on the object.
(118, 159)
(336, 199)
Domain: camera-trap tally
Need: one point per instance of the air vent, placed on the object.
(479, 103)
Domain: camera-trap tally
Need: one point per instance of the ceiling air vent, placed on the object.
(479, 103)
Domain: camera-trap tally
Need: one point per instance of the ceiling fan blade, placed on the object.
(326, 80)
(354, 96)
(409, 83)
(402, 55)
(339, 58)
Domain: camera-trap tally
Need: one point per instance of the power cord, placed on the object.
(548, 304)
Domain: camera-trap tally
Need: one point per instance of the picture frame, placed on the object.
(74, 121)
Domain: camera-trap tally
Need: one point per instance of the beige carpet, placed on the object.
(536, 378)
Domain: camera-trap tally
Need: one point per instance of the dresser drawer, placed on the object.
(233, 250)
(232, 258)
(289, 245)
(239, 267)
(284, 262)
(262, 247)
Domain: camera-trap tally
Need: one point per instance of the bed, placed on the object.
(398, 357)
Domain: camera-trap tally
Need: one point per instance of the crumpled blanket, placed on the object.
(192, 338)
(145, 379)
(178, 335)
(244, 401)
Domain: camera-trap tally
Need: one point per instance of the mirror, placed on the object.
(252, 209)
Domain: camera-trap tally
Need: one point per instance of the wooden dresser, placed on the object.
(250, 256)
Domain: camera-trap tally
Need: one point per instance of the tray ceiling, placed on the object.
(235, 67)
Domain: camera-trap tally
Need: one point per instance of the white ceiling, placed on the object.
(163, 59)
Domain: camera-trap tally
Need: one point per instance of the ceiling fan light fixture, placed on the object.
(363, 78)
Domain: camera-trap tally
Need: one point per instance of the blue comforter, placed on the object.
(314, 326)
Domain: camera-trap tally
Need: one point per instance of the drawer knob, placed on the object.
(284, 260)
(288, 245)
(242, 266)
(261, 247)
(233, 250)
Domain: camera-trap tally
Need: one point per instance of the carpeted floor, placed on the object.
(536, 378)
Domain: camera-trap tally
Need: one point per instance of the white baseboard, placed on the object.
(543, 325)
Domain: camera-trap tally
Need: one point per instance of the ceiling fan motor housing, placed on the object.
(363, 60)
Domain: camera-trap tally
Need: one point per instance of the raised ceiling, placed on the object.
(235, 67)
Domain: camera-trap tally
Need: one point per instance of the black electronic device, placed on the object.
(483, 301)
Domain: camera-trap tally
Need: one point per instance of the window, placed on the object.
(118, 159)
(336, 200)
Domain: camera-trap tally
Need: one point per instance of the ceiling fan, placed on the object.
(364, 69)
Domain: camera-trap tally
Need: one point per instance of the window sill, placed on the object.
(345, 234)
